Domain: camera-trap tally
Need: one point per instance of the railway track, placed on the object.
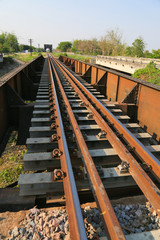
(81, 141)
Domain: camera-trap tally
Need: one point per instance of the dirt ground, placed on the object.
(8, 220)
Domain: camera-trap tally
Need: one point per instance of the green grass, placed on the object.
(75, 56)
(25, 57)
(11, 175)
(150, 74)
(11, 161)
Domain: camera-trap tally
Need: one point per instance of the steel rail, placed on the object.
(109, 218)
(147, 186)
(138, 147)
(76, 223)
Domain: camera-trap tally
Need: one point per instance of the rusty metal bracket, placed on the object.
(90, 116)
(130, 148)
(51, 97)
(119, 134)
(52, 117)
(53, 126)
(52, 109)
(56, 153)
(58, 175)
(82, 104)
(102, 134)
(146, 167)
(55, 137)
(51, 104)
(123, 167)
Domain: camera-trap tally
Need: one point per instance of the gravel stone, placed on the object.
(15, 232)
(40, 224)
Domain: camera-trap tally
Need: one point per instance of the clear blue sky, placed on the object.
(53, 21)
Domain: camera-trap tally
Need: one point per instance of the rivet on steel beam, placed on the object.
(52, 104)
(130, 148)
(51, 94)
(53, 126)
(56, 153)
(102, 134)
(123, 167)
(54, 137)
(90, 116)
(52, 109)
(146, 167)
(58, 174)
(51, 98)
(52, 117)
(119, 134)
(82, 104)
(111, 124)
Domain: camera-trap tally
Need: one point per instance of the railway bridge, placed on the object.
(90, 132)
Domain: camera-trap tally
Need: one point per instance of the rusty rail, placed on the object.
(76, 224)
(125, 90)
(112, 225)
(144, 182)
(138, 147)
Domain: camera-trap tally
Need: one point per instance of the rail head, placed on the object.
(76, 224)
(111, 223)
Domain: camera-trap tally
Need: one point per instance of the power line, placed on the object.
(30, 41)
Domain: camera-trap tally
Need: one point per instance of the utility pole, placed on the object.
(30, 41)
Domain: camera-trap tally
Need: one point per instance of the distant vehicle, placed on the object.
(47, 50)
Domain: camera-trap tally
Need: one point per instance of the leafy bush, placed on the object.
(8, 59)
(150, 74)
(75, 56)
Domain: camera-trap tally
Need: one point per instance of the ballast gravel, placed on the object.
(41, 224)
(52, 225)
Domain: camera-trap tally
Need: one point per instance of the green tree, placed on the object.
(147, 54)
(129, 51)
(138, 47)
(64, 46)
(5, 48)
(75, 46)
(111, 43)
(12, 41)
(156, 53)
(8, 43)
(23, 47)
